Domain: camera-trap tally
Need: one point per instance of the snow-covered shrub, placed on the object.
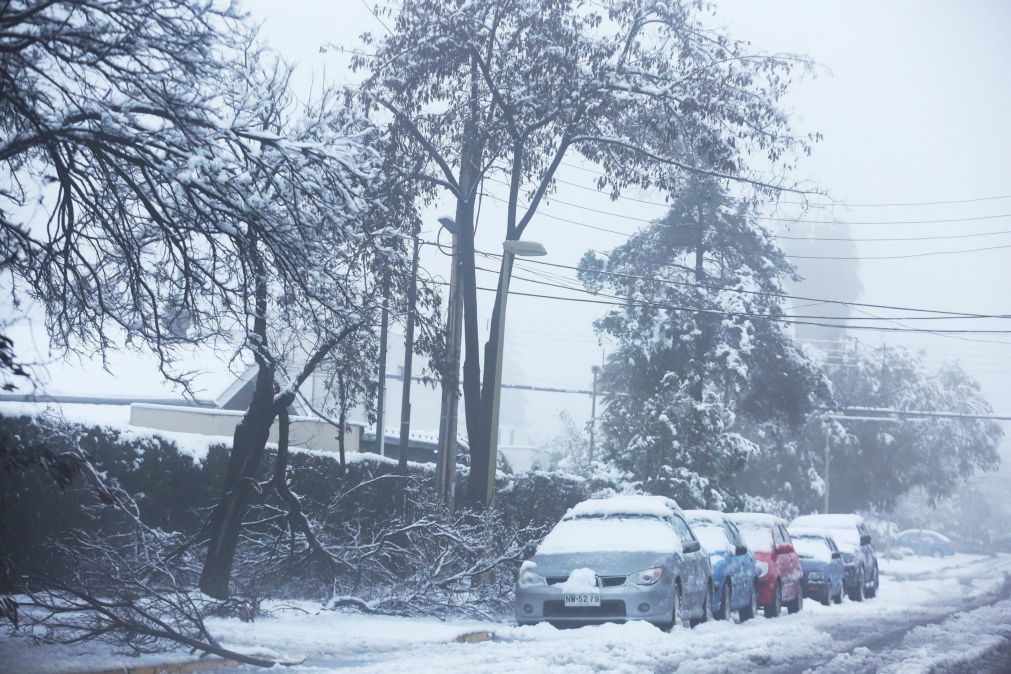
(538, 497)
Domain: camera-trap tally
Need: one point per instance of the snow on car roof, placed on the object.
(640, 505)
(828, 521)
(802, 532)
(755, 519)
(714, 516)
(600, 535)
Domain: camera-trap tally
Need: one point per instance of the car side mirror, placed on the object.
(691, 546)
(784, 549)
(836, 555)
(865, 539)
(741, 550)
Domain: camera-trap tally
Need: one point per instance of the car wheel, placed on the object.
(675, 610)
(751, 610)
(838, 598)
(797, 605)
(857, 593)
(772, 610)
(726, 601)
(936, 553)
(707, 608)
(872, 589)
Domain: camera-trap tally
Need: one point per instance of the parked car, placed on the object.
(617, 559)
(779, 571)
(925, 542)
(821, 561)
(854, 540)
(734, 570)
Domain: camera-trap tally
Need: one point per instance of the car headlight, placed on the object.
(647, 577)
(528, 578)
(762, 568)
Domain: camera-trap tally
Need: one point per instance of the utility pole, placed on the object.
(384, 333)
(451, 377)
(405, 400)
(828, 451)
(593, 414)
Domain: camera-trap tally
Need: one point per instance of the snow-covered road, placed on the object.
(930, 614)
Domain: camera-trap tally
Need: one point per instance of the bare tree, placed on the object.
(503, 91)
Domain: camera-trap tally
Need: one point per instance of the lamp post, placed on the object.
(510, 249)
(450, 383)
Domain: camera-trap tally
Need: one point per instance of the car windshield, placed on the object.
(610, 534)
(812, 547)
(712, 536)
(759, 539)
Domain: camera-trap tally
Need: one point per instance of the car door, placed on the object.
(695, 576)
(789, 564)
(742, 568)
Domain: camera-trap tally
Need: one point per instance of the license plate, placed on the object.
(582, 599)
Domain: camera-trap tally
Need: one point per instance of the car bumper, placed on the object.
(851, 576)
(766, 590)
(817, 589)
(617, 604)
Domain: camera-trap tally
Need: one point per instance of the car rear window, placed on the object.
(713, 537)
(758, 539)
(812, 547)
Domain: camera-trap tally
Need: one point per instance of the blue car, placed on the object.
(822, 562)
(734, 570)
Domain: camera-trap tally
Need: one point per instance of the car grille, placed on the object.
(609, 608)
(602, 581)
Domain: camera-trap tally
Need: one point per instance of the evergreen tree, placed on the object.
(700, 348)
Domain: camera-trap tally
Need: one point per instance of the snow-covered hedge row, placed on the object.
(174, 487)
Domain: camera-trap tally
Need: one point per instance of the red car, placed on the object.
(779, 571)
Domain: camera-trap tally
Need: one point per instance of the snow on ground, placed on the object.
(934, 612)
(914, 565)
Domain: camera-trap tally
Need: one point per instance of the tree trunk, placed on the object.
(248, 447)
(342, 400)
(698, 386)
(471, 156)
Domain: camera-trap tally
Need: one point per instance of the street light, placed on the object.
(510, 250)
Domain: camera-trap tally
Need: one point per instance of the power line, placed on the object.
(753, 292)
(629, 235)
(799, 203)
(785, 320)
(897, 257)
(749, 315)
(780, 236)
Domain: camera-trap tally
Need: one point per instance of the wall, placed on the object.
(307, 432)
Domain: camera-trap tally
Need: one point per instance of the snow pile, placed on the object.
(632, 534)
(581, 581)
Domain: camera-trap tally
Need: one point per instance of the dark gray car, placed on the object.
(854, 540)
(617, 559)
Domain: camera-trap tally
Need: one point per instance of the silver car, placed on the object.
(630, 557)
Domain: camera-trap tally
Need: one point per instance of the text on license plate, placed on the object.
(582, 599)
